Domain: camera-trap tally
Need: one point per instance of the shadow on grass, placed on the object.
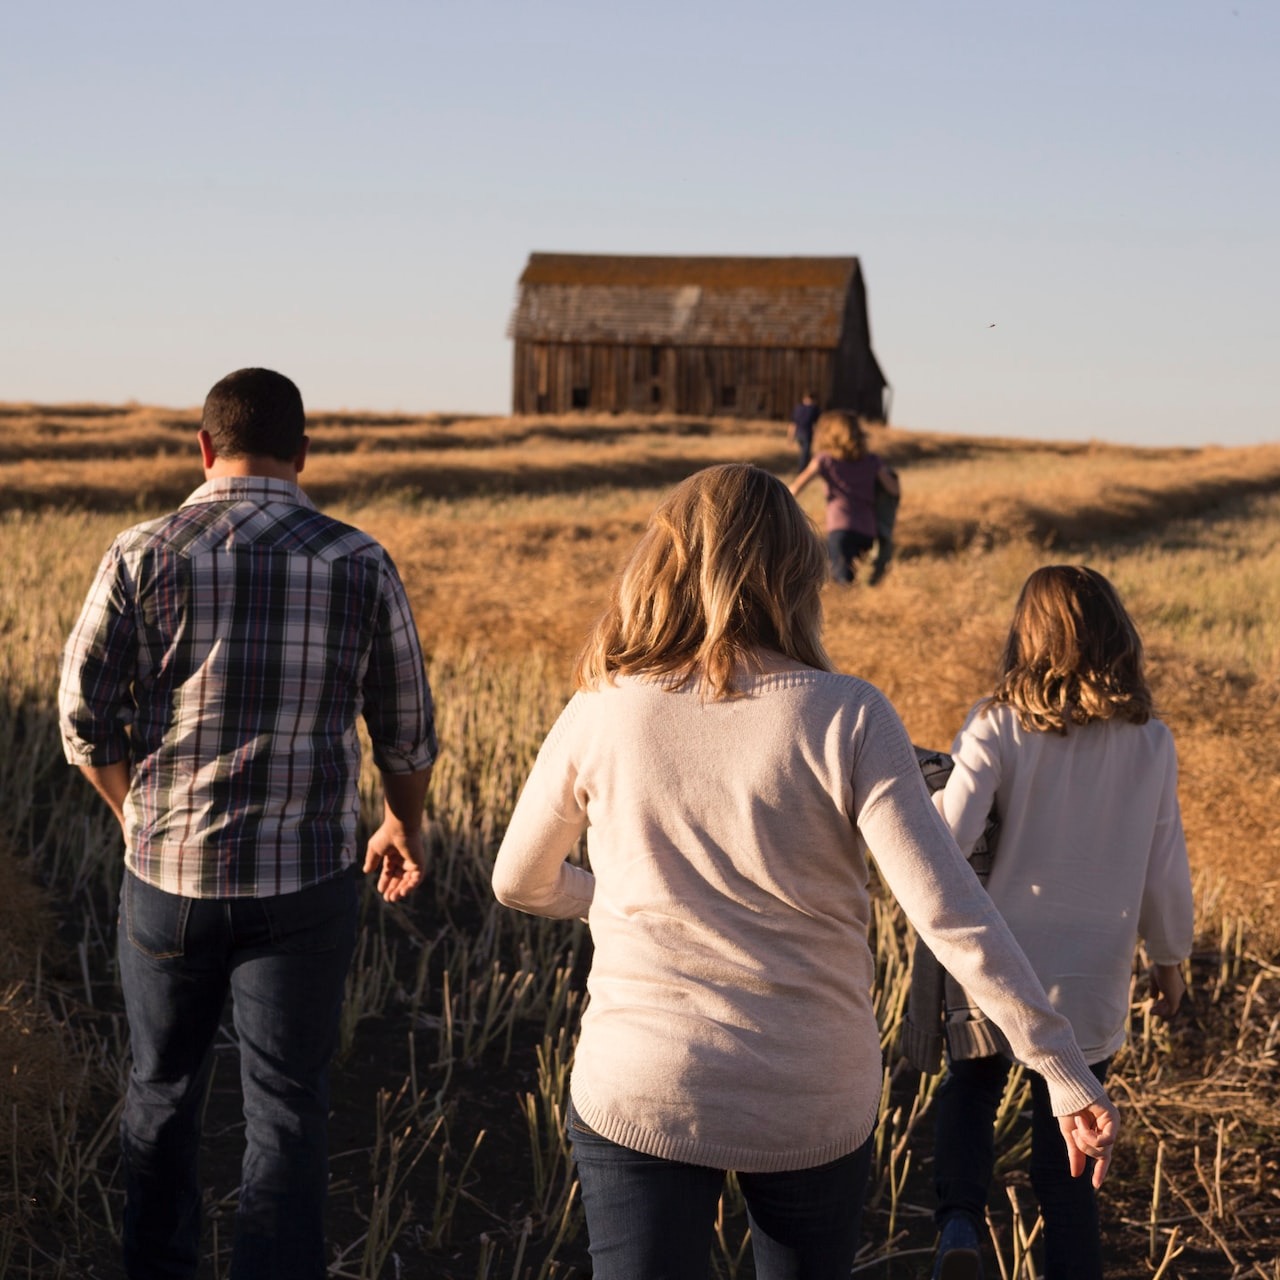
(415, 482)
(1129, 511)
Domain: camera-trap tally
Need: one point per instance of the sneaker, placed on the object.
(958, 1255)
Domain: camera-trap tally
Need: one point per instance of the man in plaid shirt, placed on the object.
(210, 692)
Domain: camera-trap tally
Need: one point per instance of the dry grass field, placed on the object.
(507, 532)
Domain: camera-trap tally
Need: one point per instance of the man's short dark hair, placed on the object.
(255, 412)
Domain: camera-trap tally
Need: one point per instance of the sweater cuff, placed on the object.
(921, 1048)
(1072, 1086)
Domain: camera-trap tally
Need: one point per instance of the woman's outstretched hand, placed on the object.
(1092, 1132)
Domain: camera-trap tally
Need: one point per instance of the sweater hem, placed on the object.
(716, 1155)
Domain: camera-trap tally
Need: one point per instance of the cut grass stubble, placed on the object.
(465, 987)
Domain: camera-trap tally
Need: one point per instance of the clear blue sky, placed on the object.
(348, 192)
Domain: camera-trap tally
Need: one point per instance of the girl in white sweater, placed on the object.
(730, 784)
(1090, 856)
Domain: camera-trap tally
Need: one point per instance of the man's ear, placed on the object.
(208, 454)
(301, 460)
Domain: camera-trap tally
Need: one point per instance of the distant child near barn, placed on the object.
(800, 432)
(1090, 857)
(854, 478)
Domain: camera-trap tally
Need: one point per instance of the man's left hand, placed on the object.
(399, 857)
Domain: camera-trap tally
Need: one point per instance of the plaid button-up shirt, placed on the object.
(226, 650)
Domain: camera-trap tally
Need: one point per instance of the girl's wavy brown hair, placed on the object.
(1073, 654)
(729, 564)
(840, 435)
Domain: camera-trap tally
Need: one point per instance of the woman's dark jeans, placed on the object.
(654, 1219)
(844, 548)
(284, 960)
(964, 1159)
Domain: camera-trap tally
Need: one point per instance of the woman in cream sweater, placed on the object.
(730, 785)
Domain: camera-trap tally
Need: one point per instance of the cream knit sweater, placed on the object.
(730, 1021)
(1091, 854)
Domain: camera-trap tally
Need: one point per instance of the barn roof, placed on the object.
(770, 302)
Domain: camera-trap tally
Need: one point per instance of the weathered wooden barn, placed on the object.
(737, 336)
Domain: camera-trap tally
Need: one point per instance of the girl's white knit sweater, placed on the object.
(1091, 854)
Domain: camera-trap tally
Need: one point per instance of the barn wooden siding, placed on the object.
(558, 377)
(733, 336)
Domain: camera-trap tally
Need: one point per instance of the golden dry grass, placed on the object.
(34, 1060)
(508, 532)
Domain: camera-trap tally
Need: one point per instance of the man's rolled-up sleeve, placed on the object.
(95, 705)
(397, 698)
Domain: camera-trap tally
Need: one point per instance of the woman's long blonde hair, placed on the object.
(728, 565)
(1073, 654)
(840, 435)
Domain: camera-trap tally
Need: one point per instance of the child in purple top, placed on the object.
(853, 476)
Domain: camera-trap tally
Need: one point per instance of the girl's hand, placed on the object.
(1167, 989)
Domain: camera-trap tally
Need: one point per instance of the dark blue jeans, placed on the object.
(804, 448)
(964, 1159)
(844, 549)
(284, 960)
(654, 1219)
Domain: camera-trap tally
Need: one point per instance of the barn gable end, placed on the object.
(738, 336)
